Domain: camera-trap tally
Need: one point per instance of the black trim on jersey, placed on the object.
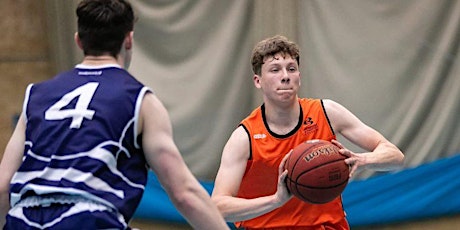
(250, 143)
(292, 132)
(327, 118)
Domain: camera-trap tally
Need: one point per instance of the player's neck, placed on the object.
(282, 119)
(282, 110)
(99, 60)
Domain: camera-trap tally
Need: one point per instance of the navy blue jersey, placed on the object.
(81, 139)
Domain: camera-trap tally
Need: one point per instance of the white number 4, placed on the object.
(85, 94)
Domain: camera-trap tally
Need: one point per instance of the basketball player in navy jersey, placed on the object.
(80, 153)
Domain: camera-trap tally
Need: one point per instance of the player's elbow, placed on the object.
(394, 156)
(220, 203)
(397, 159)
(400, 158)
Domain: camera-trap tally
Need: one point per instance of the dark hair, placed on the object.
(271, 46)
(103, 25)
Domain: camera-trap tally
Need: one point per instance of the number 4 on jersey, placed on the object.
(85, 94)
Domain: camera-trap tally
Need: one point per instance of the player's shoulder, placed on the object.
(331, 105)
(52, 84)
(152, 105)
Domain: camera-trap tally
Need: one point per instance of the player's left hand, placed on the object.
(354, 160)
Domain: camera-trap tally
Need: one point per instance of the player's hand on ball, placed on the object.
(282, 193)
(354, 160)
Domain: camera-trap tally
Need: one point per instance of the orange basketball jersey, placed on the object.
(267, 149)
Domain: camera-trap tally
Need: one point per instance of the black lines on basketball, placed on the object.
(317, 172)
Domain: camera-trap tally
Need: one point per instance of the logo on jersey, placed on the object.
(86, 73)
(309, 126)
(260, 136)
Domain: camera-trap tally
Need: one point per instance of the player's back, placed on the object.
(81, 138)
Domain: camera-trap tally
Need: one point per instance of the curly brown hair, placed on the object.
(271, 46)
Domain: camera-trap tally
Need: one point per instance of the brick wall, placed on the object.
(24, 57)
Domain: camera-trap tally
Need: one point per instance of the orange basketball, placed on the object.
(317, 172)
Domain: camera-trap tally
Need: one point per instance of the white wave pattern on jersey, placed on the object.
(74, 175)
(78, 207)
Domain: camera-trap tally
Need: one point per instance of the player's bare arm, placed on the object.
(12, 158)
(190, 198)
(228, 179)
(382, 155)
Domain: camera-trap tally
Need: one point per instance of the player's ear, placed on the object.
(129, 40)
(256, 79)
(77, 40)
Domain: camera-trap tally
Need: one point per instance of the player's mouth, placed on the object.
(284, 89)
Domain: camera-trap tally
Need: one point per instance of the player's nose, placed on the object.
(285, 80)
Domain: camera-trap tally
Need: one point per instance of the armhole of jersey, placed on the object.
(250, 143)
(26, 101)
(327, 118)
(137, 111)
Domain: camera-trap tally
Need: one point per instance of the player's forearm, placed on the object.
(204, 218)
(238, 209)
(198, 209)
(386, 157)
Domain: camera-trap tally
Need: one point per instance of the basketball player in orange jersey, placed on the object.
(249, 188)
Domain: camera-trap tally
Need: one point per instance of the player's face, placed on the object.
(280, 77)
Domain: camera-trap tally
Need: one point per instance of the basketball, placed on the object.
(317, 172)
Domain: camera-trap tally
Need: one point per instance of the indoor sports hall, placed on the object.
(395, 64)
